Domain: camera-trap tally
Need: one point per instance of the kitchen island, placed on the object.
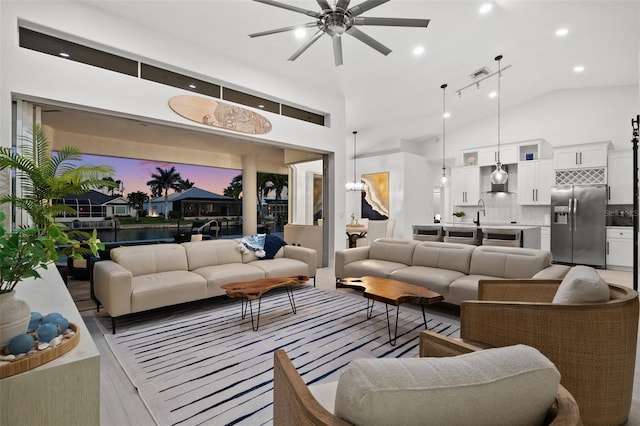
(528, 235)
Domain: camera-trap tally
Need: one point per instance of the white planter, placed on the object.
(14, 317)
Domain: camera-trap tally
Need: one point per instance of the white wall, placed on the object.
(410, 196)
(35, 76)
(562, 117)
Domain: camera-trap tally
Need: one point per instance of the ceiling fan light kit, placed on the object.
(338, 20)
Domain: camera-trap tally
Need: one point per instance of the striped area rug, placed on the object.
(204, 365)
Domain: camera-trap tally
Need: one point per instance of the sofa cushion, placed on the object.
(166, 289)
(465, 288)
(151, 258)
(212, 252)
(281, 267)
(435, 279)
(450, 256)
(508, 262)
(392, 250)
(218, 275)
(373, 267)
(582, 284)
(509, 385)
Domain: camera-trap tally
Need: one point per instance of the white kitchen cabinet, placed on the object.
(545, 238)
(465, 186)
(535, 179)
(619, 247)
(489, 156)
(620, 177)
(581, 156)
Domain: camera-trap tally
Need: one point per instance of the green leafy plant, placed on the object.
(45, 179)
(458, 214)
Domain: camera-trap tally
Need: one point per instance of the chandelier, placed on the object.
(499, 176)
(355, 184)
(443, 178)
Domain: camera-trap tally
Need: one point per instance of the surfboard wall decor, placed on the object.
(219, 114)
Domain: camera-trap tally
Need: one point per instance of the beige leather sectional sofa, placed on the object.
(450, 269)
(139, 278)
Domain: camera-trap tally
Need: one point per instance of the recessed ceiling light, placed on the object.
(561, 32)
(64, 54)
(300, 33)
(485, 8)
(578, 68)
(446, 115)
(493, 94)
(192, 86)
(260, 106)
(418, 50)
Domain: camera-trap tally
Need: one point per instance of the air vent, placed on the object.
(482, 72)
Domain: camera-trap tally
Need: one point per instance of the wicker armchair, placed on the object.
(295, 405)
(593, 345)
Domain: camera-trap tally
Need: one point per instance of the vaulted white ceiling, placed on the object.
(398, 97)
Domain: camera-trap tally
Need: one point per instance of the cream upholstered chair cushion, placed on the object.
(582, 284)
(377, 229)
(509, 385)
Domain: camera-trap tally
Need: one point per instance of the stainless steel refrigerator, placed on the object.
(578, 220)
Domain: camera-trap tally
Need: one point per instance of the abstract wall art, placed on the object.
(375, 197)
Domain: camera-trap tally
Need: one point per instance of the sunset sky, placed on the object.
(136, 173)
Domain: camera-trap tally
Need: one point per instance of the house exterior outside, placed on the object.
(196, 202)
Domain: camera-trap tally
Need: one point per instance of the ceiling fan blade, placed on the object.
(392, 22)
(369, 41)
(367, 5)
(343, 5)
(281, 30)
(324, 5)
(316, 15)
(305, 46)
(337, 50)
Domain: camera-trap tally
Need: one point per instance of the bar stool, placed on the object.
(461, 234)
(427, 232)
(501, 237)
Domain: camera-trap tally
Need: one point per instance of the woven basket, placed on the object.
(41, 357)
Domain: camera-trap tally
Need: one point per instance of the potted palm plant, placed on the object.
(46, 178)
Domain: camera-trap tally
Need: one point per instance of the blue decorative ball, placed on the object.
(46, 332)
(51, 317)
(36, 320)
(21, 344)
(62, 324)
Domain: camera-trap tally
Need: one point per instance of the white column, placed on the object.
(249, 195)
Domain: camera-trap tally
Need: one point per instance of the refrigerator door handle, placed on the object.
(570, 214)
(575, 212)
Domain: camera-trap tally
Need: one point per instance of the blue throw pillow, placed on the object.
(272, 244)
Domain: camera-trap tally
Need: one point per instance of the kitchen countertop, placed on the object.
(492, 225)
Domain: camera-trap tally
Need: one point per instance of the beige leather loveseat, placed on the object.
(451, 269)
(139, 278)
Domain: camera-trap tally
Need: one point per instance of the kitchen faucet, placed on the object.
(480, 204)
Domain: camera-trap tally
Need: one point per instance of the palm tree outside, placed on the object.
(161, 182)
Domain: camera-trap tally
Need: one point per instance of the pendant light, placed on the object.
(355, 184)
(443, 178)
(499, 176)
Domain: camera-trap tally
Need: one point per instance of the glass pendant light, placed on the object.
(443, 178)
(499, 176)
(355, 184)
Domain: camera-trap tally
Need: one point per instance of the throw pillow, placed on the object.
(509, 385)
(582, 284)
(272, 244)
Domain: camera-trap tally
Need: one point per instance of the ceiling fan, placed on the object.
(340, 19)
